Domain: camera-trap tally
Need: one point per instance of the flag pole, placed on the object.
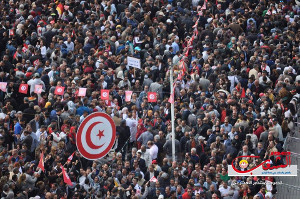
(172, 115)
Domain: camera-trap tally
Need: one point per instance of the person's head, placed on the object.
(245, 148)
(190, 191)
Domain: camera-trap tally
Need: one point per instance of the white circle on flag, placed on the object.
(152, 96)
(23, 88)
(104, 94)
(96, 136)
(59, 90)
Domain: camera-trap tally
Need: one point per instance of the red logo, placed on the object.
(23, 88)
(96, 136)
(104, 94)
(152, 97)
(266, 165)
(59, 90)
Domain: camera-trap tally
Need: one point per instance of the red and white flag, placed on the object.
(36, 62)
(104, 94)
(243, 95)
(59, 90)
(38, 89)
(152, 96)
(41, 163)
(128, 96)
(67, 179)
(204, 6)
(171, 99)
(11, 32)
(25, 48)
(3, 86)
(73, 33)
(82, 92)
(15, 55)
(153, 179)
(71, 157)
(23, 88)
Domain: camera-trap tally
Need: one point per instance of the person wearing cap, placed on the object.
(36, 81)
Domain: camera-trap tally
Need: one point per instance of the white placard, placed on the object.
(134, 62)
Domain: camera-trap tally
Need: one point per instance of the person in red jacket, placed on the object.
(259, 129)
(188, 194)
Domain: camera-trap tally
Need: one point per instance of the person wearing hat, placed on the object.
(36, 81)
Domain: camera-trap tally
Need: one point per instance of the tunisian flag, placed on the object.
(70, 158)
(243, 95)
(152, 96)
(153, 179)
(104, 94)
(41, 163)
(67, 179)
(59, 90)
(128, 96)
(82, 92)
(23, 88)
(171, 99)
(38, 89)
(3, 86)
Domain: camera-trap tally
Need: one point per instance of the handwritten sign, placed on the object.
(134, 62)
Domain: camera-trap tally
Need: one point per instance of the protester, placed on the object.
(236, 91)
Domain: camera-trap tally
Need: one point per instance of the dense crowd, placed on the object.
(236, 90)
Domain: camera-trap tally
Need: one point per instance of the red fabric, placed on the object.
(258, 131)
(67, 179)
(59, 90)
(186, 196)
(152, 96)
(223, 116)
(23, 88)
(104, 94)
(243, 95)
(139, 132)
(71, 157)
(41, 163)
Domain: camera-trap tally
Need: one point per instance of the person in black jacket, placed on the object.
(124, 135)
(29, 113)
(150, 173)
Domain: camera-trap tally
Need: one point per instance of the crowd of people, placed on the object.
(237, 85)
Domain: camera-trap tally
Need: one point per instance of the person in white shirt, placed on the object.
(145, 155)
(225, 191)
(69, 44)
(36, 81)
(57, 137)
(41, 133)
(132, 123)
(153, 150)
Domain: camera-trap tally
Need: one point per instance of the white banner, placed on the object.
(134, 62)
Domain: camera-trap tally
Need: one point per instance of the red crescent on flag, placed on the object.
(88, 137)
